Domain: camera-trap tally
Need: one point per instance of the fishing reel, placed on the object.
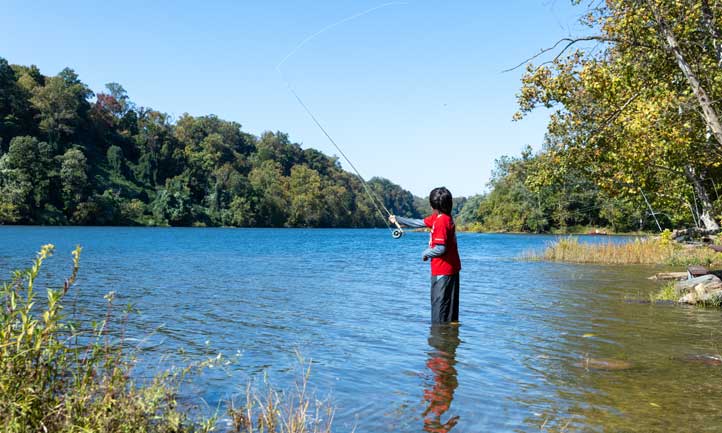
(397, 233)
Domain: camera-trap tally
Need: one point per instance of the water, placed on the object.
(355, 304)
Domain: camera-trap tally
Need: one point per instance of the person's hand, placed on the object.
(425, 258)
(392, 218)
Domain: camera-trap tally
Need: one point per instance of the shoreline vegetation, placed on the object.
(61, 374)
(676, 287)
(659, 250)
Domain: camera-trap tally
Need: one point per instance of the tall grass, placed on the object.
(272, 411)
(665, 293)
(56, 376)
(639, 251)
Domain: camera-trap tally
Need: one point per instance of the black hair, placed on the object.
(440, 199)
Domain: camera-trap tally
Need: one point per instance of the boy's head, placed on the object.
(440, 200)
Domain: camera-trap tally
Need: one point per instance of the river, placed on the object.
(354, 304)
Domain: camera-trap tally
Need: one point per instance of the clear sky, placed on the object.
(412, 92)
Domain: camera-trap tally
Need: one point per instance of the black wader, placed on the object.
(444, 298)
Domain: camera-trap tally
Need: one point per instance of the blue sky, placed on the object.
(413, 92)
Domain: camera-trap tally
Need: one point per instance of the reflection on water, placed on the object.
(439, 393)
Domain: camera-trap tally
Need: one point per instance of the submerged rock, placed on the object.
(605, 364)
(649, 301)
(703, 359)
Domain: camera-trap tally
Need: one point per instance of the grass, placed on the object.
(271, 411)
(640, 251)
(58, 375)
(665, 293)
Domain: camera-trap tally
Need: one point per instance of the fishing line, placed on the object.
(375, 199)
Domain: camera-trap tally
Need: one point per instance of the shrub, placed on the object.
(57, 377)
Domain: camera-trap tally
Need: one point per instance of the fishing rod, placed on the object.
(375, 199)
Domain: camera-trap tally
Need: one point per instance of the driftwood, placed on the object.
(669, 276)
(692, 233)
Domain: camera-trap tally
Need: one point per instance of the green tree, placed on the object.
(61, 103)
(73, 178)
(397, 200)
(271, 190)
(240, 213)
(14, 107)
(173, 203)
(307, 207)
(116, 160)
(27, 170)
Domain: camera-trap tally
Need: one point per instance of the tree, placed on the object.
(73, 178)
(61, 103)
(279, 148)
(116, 159)
(14, 107)
(627, 114)
(307, 207)
(27, 169)
(122, 102)
(396, 199)
(173, 204)
(271, 191)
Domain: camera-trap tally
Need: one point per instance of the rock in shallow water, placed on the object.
(703, 359)
(705, 289)
(605, 364)
(669, 276)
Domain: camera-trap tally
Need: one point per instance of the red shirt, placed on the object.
(443, 232)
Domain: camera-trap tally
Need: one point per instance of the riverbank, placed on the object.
(568, 231)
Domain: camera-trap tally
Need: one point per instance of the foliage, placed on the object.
(522, 199)
(665, 293)
(665, 238)
(634, 113)
(66, 158)
(58, 376)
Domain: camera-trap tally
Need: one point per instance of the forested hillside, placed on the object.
(72, 156)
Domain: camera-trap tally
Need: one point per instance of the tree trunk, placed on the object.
(715, 34)
(697, 182)
(710, 115)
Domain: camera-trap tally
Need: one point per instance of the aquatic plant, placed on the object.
(270, 411)
(58, 374)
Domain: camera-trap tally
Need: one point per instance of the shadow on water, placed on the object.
(439, 393)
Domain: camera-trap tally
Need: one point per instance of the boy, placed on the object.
(444, 255)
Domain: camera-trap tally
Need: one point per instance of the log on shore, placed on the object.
(669, 276)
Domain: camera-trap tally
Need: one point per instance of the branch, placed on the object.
(570, 42)
(665, 168)
(614, 115)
